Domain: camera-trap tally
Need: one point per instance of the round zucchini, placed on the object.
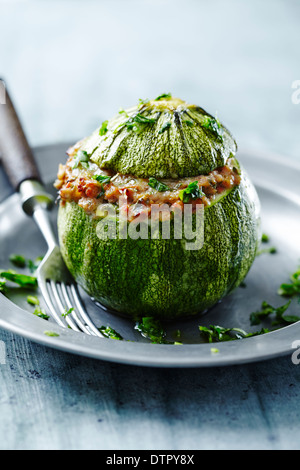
(163, 138)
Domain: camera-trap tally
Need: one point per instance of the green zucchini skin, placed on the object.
(181, 150)
(159, 277)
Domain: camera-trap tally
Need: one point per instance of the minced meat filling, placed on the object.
(90, 187)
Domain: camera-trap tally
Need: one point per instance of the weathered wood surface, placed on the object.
(53, 400)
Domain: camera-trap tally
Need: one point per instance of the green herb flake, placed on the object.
(264, 238)
(138, 122)
(67, 312)
(51, 333)
(213, 125)
(81, 158)
(219, 334)
(164, 127)
(18, 260)
(33, 300)
(272, 250)
(152, 329)
(155, 184)
(21, 262)
(163, 96)
(143, 102)
(27, 282)
(122, 111)
(3, 287)
(267, 309)
(138, 119)
(109, 332)
(41, 313)
(188, 122)
(32, 266)
(103, 128)
(103, 179)
(191, 192)
(291, 289)
(214, 350)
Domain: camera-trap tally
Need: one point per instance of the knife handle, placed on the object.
(16, 154)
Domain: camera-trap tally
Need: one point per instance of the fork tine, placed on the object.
(74, 315)
(61, 307)
(50, 306)
(86, 318)
(78, 319)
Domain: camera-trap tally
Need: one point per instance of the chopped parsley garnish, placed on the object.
(27, 282)
(81, 158)
(138, 122)
(109, 332)
(51, 333)
(122, 111)
(67, 312)
(103, 179)
(135, 123)
(213, 125)
(188, 122)
(155, 184)
(3, 287)
(280, 318)
(215, 333)
(152, 329)
(41, 313)
(33, 300)
(21, 262)
(191, 192)
(163, 96)
(293, 288)
(142, 102)
(219, 333)
(214, 350)
(272, 250)
(32, 266)
(264, 238)
(164, 127)
(103, 128)
(18, 260)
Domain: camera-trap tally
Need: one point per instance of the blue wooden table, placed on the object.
(69, 65)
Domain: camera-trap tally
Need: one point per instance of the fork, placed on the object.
(56, 284)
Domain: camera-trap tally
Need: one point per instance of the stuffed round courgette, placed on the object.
(165, 164)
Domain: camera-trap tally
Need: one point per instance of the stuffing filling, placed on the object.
(82, 181)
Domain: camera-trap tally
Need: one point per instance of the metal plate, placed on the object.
(277, 183)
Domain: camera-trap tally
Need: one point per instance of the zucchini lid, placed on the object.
(163, 138)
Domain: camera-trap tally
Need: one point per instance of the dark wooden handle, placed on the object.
(16, 155)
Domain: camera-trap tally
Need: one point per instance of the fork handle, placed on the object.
(17, 157)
